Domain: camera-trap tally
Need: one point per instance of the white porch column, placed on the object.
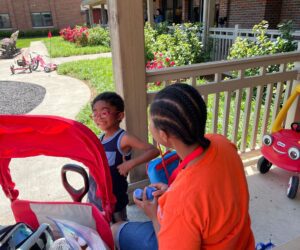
(150, 11)
(126, 24)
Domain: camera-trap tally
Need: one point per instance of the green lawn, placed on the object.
(99, 76)
(57, 47)
(60, 48)
(25, 42)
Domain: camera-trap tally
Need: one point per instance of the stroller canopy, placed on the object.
(28, 135)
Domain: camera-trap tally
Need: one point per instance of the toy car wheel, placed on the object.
(35, 65)
(12, 69)
(47, 69)
(263, 165)
(293, 187)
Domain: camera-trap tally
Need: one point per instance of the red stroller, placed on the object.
(27, 135)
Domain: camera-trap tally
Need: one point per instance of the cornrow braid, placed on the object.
(180, 110)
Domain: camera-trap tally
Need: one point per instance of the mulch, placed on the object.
(20, 97)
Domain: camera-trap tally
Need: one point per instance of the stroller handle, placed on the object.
(76, 194)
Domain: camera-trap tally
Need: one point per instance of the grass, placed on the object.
(62, 48)
(25, 42)
(98, 74)
(57, 47)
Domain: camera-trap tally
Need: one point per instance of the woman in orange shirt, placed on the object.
(206, 207)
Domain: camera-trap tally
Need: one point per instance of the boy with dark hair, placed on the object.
(108, 112)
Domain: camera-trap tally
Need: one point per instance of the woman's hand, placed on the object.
(161, 188)
(149, 207)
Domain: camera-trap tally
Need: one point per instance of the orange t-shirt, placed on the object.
(206, 207)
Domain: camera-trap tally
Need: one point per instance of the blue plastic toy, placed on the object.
(264, 246)
(138, 193)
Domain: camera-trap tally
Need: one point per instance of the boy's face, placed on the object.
(106, 116)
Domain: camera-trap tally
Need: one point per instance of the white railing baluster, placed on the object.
(266, 114)
(194, 81)
(215, 113)
(287, 93)
(238, 99)
(259, 93)
(247, 111)
(277, 100)
(227, 100)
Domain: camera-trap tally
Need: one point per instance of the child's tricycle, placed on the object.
(38, 60)
(21, 64)
(26, 136)
(282, 147)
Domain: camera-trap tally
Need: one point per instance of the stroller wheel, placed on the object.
(293, 187)
(263, 165)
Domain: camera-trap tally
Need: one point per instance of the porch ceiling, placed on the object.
(93, 2)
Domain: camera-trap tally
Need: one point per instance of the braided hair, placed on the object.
(112, 98)
(180, 110)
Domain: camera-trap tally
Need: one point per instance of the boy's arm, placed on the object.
(129, 142)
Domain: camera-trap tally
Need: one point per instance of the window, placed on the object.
(4, 21)
(41, 19)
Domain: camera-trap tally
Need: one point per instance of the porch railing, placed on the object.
(241, 107)
(221, 39)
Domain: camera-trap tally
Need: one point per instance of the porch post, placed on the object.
(208, 19)
(185, 10)
(205, 14)
(103, 14)
(91, 15)
(126, 23)
(294, 111)
(150, 11)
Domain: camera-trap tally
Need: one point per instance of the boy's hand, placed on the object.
(124, 168)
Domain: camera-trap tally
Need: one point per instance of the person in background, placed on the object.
(107, 113)
(206, 206)
(158, 17)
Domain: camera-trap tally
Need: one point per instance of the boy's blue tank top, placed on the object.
(115, 157)
(113, 149)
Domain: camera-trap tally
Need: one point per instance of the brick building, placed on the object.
(40, 14)
(246, 13)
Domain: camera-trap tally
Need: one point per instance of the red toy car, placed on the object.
(282, 147)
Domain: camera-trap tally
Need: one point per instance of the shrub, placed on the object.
(263, 45)
(181, 43)
(99, 36)
(159, 61)
(78, 35)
